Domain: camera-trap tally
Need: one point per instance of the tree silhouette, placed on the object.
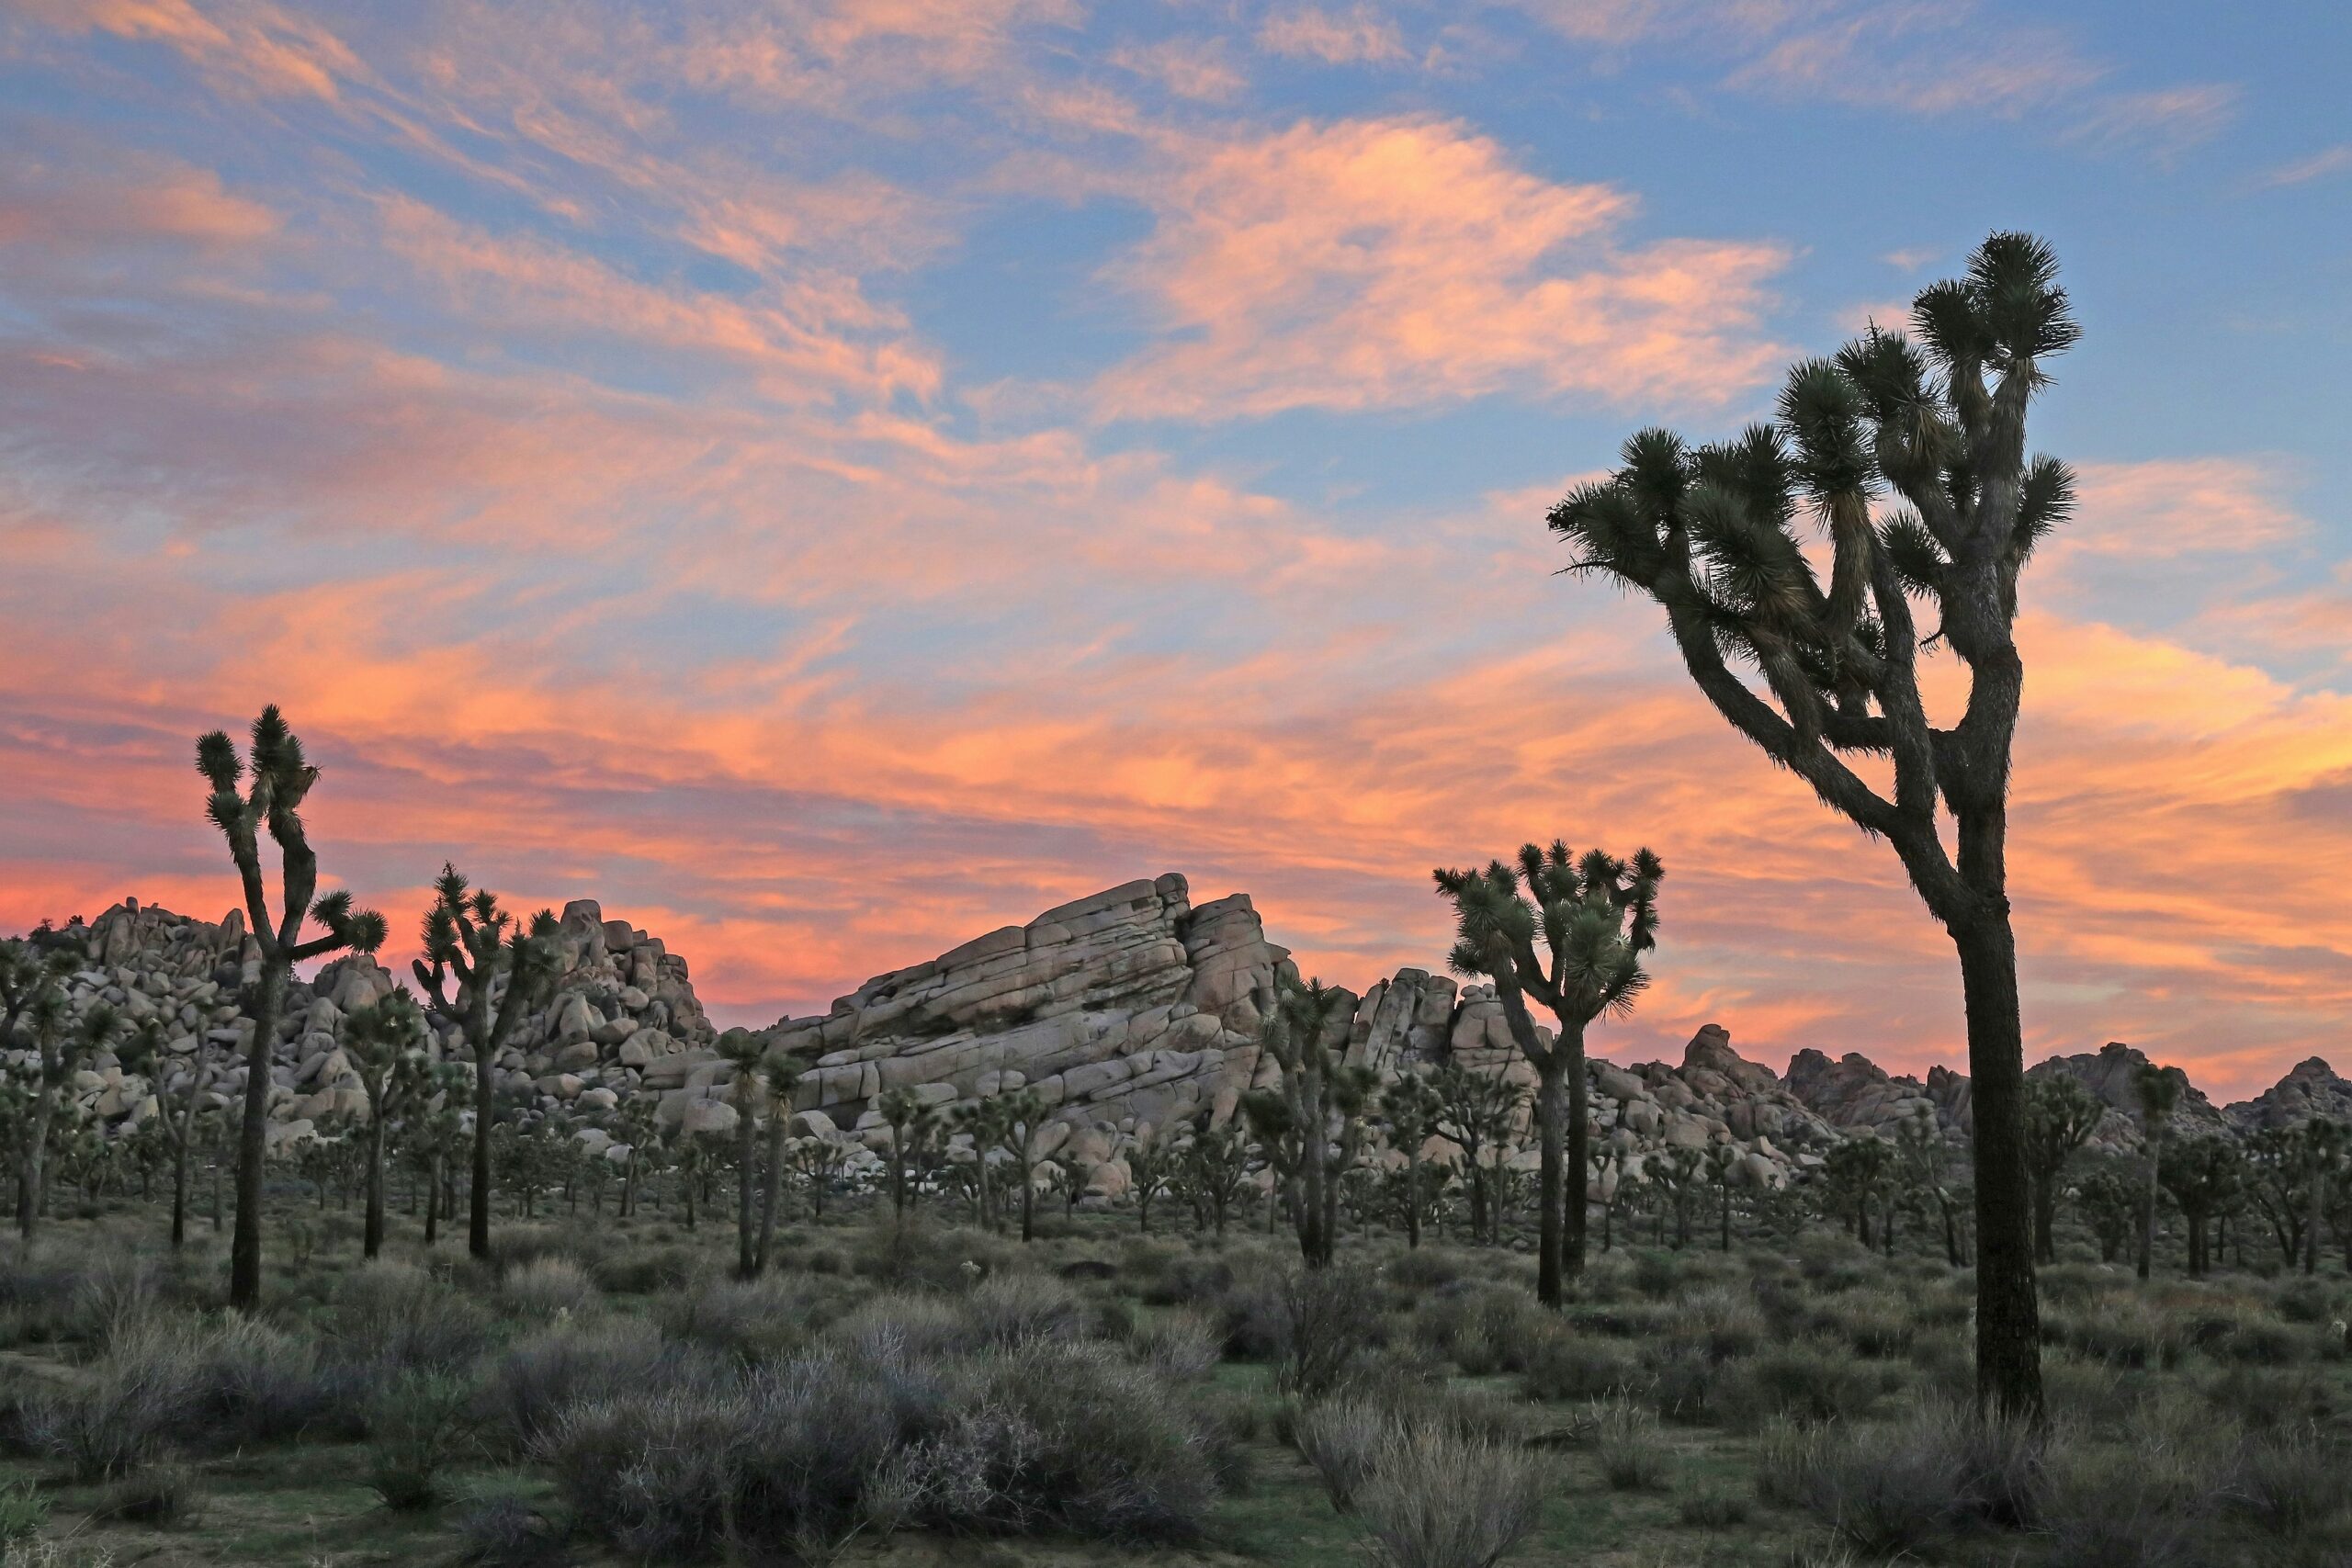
(472, 945)
(2060, 1117)
(1711, 534)
(1476, 1112)
(1594, 916)
(385, 1042)
(2159, 1091)
(1411, 1107)
(277, 779)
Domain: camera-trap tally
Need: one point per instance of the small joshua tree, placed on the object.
(176, 1114)
(2159, 1091)
(2204, 1176)
(1311, 1121)
(748, 1052)
(277, 779)
(913, 1123)
(1476, 1112)
(1151, 1168)
(385, 1042)
(1020, 1123)
(1711, 534)
(779, 1077)
(1411, 1107)
(2060, 1117)
(470, 943)
(1594, 917)
(62, 1043)
(1213, 1172)
(2323, 1145)
(1926, 1169)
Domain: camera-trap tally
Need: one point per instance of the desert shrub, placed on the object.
(1807, 1383)
(1832, 1260)
(2272, 1399)
(1327, 1330)
(2291, 1483)
(1876, 1323)
(1895, 1487)
(417, 1426)
(1342, 1437)
(2266, 1342)
(1482, 1329)
(1633, 1454)
(919, 1255)
(1437, 1500)
(2309, 1301)
(548, 1287)
(1179, 1345)
(115, 1295)
(1719, 1320)
(162, 1495)
(1425, 1269)
(506, 1533)
(1685, 1382)
(1047, 1433)
(122, 1416)
(1017, 1307)
(252, 1383)
(2138, 1505)
(1188, 1277)
(750, 1318)
(539, 1377)
(1658, 1274)
(2123, 1331)
(645, 1271)
(1562, 1363)
(402, 1319)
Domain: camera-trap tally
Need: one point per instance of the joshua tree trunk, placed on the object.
(746, 1255)
(179, 1192)
(372, 1239)
(771, 1189)
(1413, 1195)
(253, 1139)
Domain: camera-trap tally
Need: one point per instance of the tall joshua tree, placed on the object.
(780, 1075)
(146, 1052)
(1593, 916)
(2159, 1091)
(1411, 1107)
(1711, 534)
(471, 945)
(912, 1124)
(2323, 1143)
(1476, 1112)
(748, 1054)
(276, 779)
(2060, 1117)
(385, 1042)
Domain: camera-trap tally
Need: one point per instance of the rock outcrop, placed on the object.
(1127, 1010)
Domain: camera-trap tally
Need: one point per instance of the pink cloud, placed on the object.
(1357, 37)
(1380, 263)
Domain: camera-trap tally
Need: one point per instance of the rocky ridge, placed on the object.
(1128, 1011)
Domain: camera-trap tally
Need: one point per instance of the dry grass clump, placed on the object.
(1895, 1487)
(550, 1286)
(1633, 1454)
(402, 1319)
(1564, 1363)
(1435, 1499)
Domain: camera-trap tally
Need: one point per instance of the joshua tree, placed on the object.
(984, 1121)
(2324, 1143)
(1857, 1170)
(748, 1054)
(1594, 916)
(2159, 1091)
(1151, 1168)
(912, 1125)
(2202, 1175)
(782, 1076)
(60, 1042)
(436, 1134)
(1411, 1107)
(1711, 534)
(1020, 1122)
(470, 940)
(277, 779)
(2278, 1161)
(2060, 1117)
(1919, 1144)
(384, 1041)
(1310, 1121)
(1724, 1169)
(176, 1112)
(25, 975)
(1214, 1168)
(1476, 1112)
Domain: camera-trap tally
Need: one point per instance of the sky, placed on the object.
(829, 477)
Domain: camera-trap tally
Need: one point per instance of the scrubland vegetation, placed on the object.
(922, 1391)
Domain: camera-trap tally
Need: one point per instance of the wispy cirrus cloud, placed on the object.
(2319, 165)
(1359, 36)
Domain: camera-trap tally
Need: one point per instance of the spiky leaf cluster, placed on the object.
(1569, 930)
(275, 778)
(1904, 453)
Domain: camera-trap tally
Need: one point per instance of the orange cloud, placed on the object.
(245, 45)
(1376, 262)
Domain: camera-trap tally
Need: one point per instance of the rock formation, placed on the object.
(1128, 1011)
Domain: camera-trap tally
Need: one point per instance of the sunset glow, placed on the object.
(829, 480)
